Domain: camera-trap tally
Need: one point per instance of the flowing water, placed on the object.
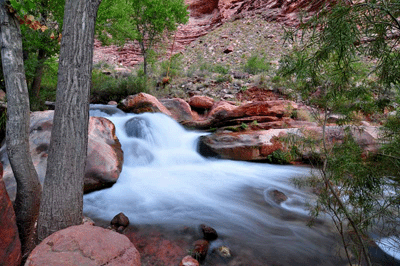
(165, 181)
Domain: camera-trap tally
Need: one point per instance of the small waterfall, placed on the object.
(165, 181)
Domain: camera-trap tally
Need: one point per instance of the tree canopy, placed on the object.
(145, 21)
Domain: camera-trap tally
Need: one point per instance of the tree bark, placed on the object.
(27, 200)
(37, 80)
(62, 199)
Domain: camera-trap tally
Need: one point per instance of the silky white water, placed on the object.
(165, 181)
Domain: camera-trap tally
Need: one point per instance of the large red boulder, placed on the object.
(143, 103)
(179, 108)
(10, 246)
(201, 102)
(85, 245)
(104, 158)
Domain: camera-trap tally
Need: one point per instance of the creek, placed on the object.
(166, 182)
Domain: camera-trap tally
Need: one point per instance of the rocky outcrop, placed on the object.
(10, 246)
(103, 163)
(85, 245)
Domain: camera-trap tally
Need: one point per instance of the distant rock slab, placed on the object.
(85, 245)
(104, 157)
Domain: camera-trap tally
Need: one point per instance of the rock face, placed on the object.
(104, 161)
(85, 245)
(10, 246)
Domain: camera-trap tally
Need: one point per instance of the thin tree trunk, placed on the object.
(37, 80)
(17, 132)
(62, 200)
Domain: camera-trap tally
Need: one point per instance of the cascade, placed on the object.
(165, 181)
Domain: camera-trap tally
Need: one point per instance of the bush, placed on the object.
(220, 69)
(256, 65)
(172, 67)
(107, 88)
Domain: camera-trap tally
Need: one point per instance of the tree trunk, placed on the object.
(17, 132)
(62, 199)
(37, 80)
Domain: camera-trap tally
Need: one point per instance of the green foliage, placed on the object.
(279, 157)
(39, 44)
(172, 67)
(223, 78)
(220, 69)
(145, 21)
(107, 88)
(255, 65)
(345, 64)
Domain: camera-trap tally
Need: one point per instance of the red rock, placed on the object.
(10, 246)
(104, 158)
(155, 249)
(143, 102)
(85, 245)
(277, 108)
(228, 49)
(221, 108)
(209, 233)
(189, 261)
(120, 222)
(199, 8)
(246, 146)
(278, 196)
(179, 109)
(200, 249)
(201, 102)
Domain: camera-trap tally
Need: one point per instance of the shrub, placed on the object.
(107, 88)
(256, 65)
(220, 69)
